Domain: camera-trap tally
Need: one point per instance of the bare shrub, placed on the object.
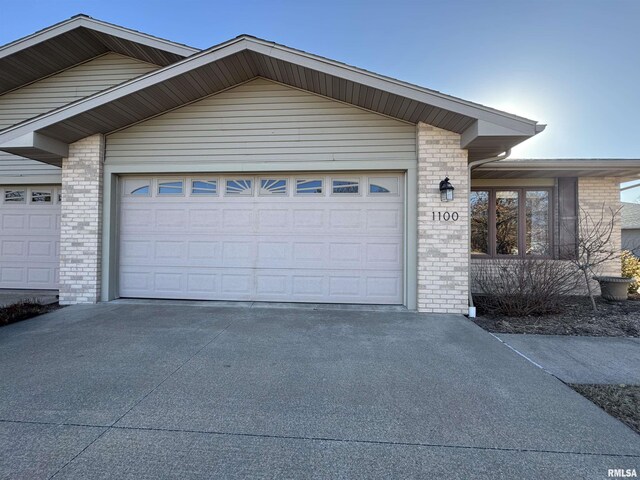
(595, 244)
(518, 287)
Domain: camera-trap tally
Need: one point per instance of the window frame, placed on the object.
(354, 180)
(161, 181)
(522, 224)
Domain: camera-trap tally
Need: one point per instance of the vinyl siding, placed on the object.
(55, 91)
(264, 121)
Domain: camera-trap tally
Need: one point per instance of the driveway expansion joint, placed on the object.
(319, 439)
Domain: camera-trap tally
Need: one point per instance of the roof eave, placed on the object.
(98, 25)
(618, 168)
(518, 129)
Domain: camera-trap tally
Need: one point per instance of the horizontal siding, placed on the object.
(264, 121)
(13, 166)
(55, 91)
(67, 86)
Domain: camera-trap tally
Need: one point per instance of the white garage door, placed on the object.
(287, 238)
(29, 237)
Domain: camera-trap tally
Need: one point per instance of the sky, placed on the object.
(571, 64)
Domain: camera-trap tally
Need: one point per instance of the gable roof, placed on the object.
(630, 215)
(74, 41)
(484, 131)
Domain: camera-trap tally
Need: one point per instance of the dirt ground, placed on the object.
(23, 311)
(620, 401)
(613, 319)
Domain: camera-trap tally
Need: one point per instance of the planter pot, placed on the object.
(614, 288)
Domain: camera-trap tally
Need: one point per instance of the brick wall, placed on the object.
(593, 193)
(81, 222)
(443, 246)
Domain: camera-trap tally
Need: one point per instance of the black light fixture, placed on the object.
(446, 190)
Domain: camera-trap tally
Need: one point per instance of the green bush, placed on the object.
(631, 269)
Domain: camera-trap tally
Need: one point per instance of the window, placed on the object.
(309, 187)
(506, 206)
(537, 222)
(15, 196)
(204, 187)
(173, 187)
(345, 186)
(141, 191)
(238, 187)
(273, 186)
(479, 222)
(511, 222)
(41, 196)
(383, 185)
(139, 187)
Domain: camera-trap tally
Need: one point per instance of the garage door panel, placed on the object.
(306, 248)
(308, 220)
(29, 239)
(236, 219)
(11, 248)
(171, 219)
(384, 220)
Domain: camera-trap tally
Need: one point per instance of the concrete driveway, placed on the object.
(161, 391)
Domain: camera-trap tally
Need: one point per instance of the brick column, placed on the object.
(81, 222)
(443, 246)
(593, 193)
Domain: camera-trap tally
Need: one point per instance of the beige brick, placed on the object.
(81, 222)
(442, 245)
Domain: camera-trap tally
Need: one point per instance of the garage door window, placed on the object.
(15, 196)
(383, 185)
(309, 187)
(273, 186)
(239, 187)
(41, 196)
(346, 186)
(175, 187)
(138, 187)
(204, 187)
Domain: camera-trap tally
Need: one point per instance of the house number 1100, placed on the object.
(445, 216)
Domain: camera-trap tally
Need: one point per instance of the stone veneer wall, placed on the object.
(443, 246)
(81, 222)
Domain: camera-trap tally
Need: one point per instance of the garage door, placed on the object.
(30, 237)
(287, 238)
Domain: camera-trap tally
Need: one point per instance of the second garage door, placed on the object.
(287, 238)
(29, 237)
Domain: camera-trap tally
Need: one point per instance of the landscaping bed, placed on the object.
(23, 311)
(575, 317)
(619, 401)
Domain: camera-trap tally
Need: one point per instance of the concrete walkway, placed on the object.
(582, 359)
(9, 297)
(161, 391)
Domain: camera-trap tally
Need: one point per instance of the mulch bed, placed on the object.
(619, 401)
(23, 311)
(614, 319)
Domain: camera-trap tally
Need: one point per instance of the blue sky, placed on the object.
(573, 64)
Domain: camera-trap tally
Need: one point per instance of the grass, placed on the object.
(23, 311)
(619, 401)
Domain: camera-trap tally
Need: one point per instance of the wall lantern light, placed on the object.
(446, 190)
